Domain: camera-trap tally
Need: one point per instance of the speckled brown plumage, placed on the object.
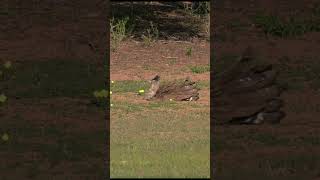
(177, 90)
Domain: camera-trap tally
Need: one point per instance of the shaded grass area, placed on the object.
(159, 139)
(171, 21)
(54, 78)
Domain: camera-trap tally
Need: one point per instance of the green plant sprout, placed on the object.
(5, 137)
(118, 31)
(152, 34)
(3, 98)
(100, 97)
(101, 94)
(7, 64)
(189, 51)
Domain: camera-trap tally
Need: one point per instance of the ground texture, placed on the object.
(49, 127)
(167, 138)
(290, 149)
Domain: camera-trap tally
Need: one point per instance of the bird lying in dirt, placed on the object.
(178, 91)
(245, 93)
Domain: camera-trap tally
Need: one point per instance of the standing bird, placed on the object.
(155, 84)
(247, 94)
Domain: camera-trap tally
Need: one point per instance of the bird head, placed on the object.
(155, 79)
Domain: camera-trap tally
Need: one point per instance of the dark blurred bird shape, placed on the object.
(246, 93)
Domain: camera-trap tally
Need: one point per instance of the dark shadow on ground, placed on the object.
(172, 21)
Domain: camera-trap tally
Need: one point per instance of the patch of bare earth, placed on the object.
(133, 61)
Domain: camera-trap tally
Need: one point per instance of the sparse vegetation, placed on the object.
(6, 74)
(201, 8)
(100, 98)
(119, 30)
(144, 129)
(200, 69)
(151, 35)
(189, 51)
(200, 11)
(129, 86)
(164, 30)
(172, 60)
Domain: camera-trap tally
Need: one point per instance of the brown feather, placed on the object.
(179, 91)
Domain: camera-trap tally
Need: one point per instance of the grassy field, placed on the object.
(157, 139)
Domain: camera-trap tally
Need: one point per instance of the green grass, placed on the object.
(202, 9)
(159, 139)
(129, 86)
(203, 84)
(200, 69)
(126, 107)
(172, 61)
(53, 78)
(189, 51)
(151, 35)
(150, 155)
(134, 86)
